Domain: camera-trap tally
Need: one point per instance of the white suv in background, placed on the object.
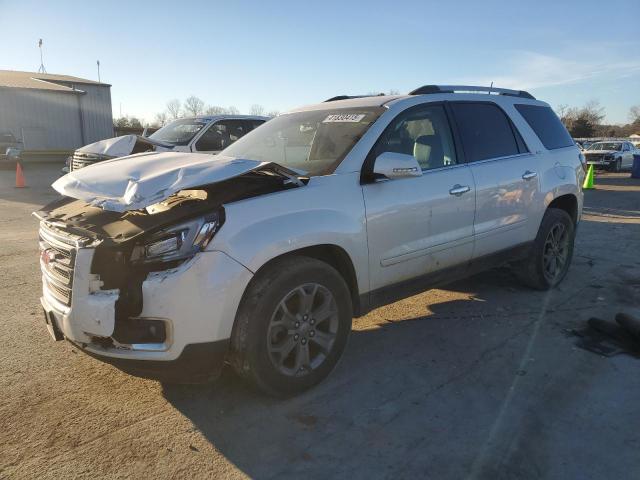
(204, 134)
(172, 264)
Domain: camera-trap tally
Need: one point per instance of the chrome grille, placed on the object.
(57, 260)
(80, 159)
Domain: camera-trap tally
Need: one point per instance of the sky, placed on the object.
(283, 54)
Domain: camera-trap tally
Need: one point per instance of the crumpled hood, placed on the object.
(138, 181)
(119, 146)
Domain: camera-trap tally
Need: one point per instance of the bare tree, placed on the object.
(561, 110)
(593, 111)
(215, 110)
(634, 114)
(194, 106)
(231, 110)
(160, 119)
(257, 109)
(174, 108)
(127, 121)
(273, 113)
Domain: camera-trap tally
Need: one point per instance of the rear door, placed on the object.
(506, 176)
(419, 225)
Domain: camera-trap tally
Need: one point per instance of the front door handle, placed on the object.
(458, 190)
(528, 175)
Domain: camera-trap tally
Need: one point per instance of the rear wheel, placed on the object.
(551, 253)
(292, 326)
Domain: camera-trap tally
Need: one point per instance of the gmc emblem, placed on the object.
(47, 256)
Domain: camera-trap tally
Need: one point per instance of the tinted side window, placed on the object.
(222, 134)
(485, 131)
(422, 132)
(547, 126)
(213, 139)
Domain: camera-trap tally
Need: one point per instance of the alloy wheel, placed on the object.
(556, 252)
(303, 330)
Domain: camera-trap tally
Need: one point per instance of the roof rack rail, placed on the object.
(347, 97)
(430, 89)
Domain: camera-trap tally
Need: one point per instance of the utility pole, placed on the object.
(41, 69)
(98, 63)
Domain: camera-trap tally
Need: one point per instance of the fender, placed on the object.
(562, 180)
(253, 234)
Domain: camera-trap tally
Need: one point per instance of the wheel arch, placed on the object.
(567, 202)
(331, 254)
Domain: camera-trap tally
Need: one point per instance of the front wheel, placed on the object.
(617, 166)
(551, 253)
(292, 326)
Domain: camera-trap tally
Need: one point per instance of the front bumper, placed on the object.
(197, 301)
(601, 162)
(198, 363)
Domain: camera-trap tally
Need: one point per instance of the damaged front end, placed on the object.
(118, 283)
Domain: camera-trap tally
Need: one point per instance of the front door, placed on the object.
(419, 225)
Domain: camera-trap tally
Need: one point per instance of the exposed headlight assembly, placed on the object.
(178, 242)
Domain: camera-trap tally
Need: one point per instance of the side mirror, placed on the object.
(13, 154)
(396, 165)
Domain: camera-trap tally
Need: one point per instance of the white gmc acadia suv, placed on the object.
(172, 264)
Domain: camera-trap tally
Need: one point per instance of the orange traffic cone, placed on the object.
(19, 176)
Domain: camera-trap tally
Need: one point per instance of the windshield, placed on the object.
(179, 132)
(606, 146)
(315, 141)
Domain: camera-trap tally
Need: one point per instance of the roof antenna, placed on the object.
(41, 69)
(98, 63)
(490, 87)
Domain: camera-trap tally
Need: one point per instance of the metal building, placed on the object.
(54, 112)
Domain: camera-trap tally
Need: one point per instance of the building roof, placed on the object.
(43, 81)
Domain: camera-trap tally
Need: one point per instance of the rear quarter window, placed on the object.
(546, 125)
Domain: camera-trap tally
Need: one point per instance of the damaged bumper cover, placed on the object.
(191, 301)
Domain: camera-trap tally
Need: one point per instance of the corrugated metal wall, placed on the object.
(96, 112)
(50, 120)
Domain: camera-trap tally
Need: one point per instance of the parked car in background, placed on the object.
(8, 140)
(262, 256)
(204, 134)
(613, 155)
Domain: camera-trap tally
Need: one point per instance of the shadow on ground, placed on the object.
(426, 396)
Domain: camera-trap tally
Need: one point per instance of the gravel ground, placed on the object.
(476, 380)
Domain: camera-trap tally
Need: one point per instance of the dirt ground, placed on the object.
(476, 380)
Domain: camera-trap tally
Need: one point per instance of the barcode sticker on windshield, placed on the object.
(344, 117)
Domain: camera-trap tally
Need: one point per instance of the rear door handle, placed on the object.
(528, 175)
(458, 190)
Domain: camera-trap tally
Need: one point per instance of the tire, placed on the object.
(274, 329)
(535, 271)
(617, 166)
